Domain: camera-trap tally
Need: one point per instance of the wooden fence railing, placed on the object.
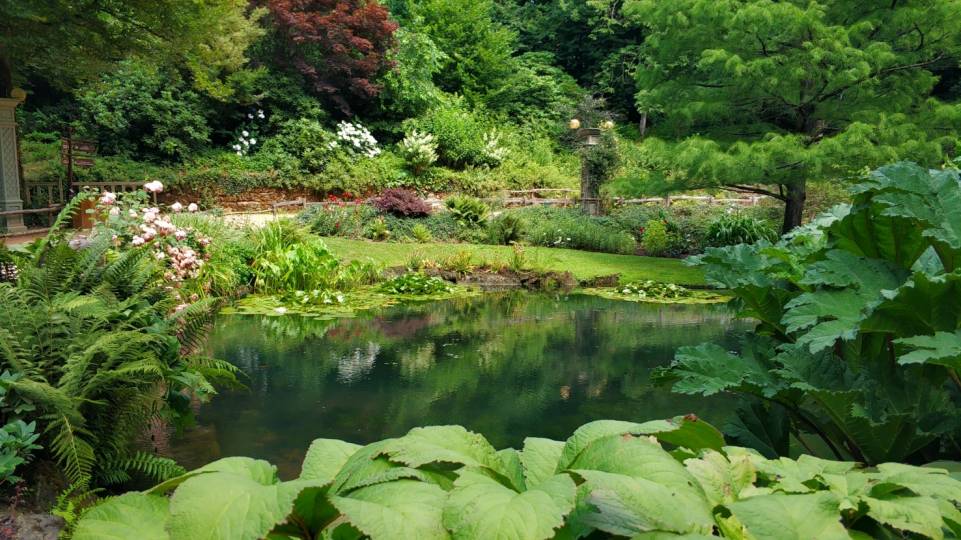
(115, 187)
(47, 193)
(535, 197)
(50, 211)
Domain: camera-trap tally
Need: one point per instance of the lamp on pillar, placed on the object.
(9, 163)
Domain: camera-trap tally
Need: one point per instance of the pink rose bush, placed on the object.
(132, 222)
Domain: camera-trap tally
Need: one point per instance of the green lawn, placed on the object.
(583, 264)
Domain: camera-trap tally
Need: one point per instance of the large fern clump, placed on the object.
(94, 344)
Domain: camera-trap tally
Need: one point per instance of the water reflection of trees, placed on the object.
(507, 366)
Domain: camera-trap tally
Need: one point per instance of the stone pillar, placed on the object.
(9, 167)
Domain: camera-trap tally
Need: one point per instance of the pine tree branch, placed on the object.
(751, 189)
(886, 71)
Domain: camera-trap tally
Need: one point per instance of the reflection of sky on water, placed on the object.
(356, 364)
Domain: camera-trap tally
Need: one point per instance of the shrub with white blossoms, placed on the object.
(355, 139)
(419, 150)
(132, 222)
(494, 154)
(247, 137)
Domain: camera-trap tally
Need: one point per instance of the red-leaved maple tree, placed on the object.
(340, 46)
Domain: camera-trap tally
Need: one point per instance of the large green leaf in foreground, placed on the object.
(131, 515)
(609, 479)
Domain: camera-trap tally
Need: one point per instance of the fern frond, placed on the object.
(74, 454)
(154, 467)
(12, 352)
(86, 271)
(59, 225)
(192, 323)
(49, 399)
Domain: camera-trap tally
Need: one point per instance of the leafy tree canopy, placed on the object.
(590, 39)
(478, 48)
(761, 92)
(68, 40)
(340, 47)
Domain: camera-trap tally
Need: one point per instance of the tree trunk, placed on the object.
(642, 124)
(794, 205)
(6, 76)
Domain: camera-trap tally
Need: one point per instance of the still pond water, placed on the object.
(507, 366)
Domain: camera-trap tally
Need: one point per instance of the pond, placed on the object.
(506, 365)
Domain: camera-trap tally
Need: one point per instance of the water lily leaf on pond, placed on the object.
(695, 297)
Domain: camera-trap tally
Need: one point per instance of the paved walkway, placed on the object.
(256, 219)
(20, 239)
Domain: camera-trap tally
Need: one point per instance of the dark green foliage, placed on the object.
(731, 229)
(609, 479)
(17, 440)
(145, 112)
(759, 92)
(334, 220)
(442, 226)
(655, 241)
(569, 228)
(467, 211)
(601, 159)
(477, 49)
(506, 228)
(296, 267)
(302, 145)
(535, 92)
(592, 41)
(856, 315)
(94, 346)
(459, 133)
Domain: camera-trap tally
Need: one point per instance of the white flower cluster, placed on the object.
(356, 139)
(419, 149)
(494, 153)
(247, 140)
